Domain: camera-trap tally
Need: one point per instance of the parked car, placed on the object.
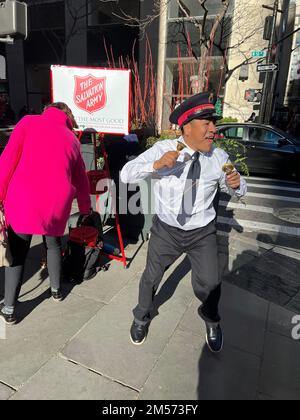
(269, 150)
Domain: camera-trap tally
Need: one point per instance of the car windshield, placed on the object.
(234, 130)
(287, 135)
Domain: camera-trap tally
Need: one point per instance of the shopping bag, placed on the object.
(5, 255)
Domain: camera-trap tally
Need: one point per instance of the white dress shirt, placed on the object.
(169, 184)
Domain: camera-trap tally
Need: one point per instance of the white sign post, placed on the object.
(99, 98)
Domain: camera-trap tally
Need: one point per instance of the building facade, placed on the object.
(69, 32)
(292, 97)
(226, 61)
(191, 50)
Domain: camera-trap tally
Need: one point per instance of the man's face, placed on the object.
(200, 134)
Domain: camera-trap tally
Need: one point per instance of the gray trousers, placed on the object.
(19, 246)
(166, 245)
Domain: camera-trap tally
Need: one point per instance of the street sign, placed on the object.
(260, 54)
(219, 107)
(267, 67)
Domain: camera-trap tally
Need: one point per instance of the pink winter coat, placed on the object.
(41, 172)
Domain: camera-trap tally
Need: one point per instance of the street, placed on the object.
(270, 213)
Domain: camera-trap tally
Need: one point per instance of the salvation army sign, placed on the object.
(99, 98)
(90, 93)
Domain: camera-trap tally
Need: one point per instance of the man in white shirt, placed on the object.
(185, 220)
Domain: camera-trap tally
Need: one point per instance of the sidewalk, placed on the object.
(80, 348)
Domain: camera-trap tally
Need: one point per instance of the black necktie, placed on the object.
(190, 191)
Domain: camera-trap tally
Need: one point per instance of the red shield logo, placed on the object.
(90, 93)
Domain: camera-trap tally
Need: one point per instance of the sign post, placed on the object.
(267, 101)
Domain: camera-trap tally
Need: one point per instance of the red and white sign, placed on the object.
(99, 98)
(90, 93)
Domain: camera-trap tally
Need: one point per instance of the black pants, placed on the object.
(19, 247)
(166, 245)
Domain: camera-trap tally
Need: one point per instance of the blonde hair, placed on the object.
(63, 107)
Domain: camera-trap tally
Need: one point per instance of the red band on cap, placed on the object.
(188, 113)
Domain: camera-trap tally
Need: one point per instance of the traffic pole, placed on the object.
(269, 83)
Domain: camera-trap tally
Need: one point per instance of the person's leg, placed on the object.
(19, 246)
(54, 260)
(207, 286)
(163, 250)
(203, 255)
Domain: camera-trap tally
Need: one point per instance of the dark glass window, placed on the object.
(187, 81)
(46, 15)
(191, 8)
(120, 38)
(236, 133)
(111, 12)
(181, 33)
(261, 135)
(45, 46)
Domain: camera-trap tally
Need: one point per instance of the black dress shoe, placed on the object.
(138, 333)
(7, 318)
(57, 295)
(214, 338)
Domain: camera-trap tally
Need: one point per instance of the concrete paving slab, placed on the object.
(5, 392)
(243, 319)
(104, 344)
(280, 369)
(45, 328)
(188, 371)
(60, 379)
(106, 284)
(280, 320)
(294, 304)
(234, 252)
(191, 321)
(273, 277)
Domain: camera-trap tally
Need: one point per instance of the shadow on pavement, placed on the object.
(269, 275)
(25, 308)
(233, 374)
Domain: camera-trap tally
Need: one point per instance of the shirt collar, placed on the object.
(189, 150)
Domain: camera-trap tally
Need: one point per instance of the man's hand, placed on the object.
(167, 160)
(233, 180)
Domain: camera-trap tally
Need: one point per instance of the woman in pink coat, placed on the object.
(41, 172)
